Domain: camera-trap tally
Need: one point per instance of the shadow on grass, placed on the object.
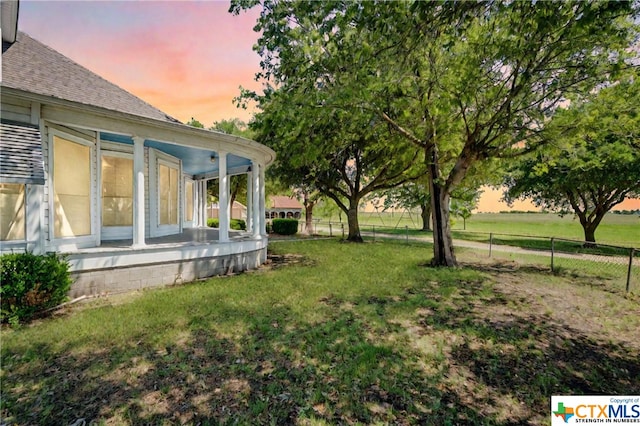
(345, 369)
(507, 354)
(279, 372)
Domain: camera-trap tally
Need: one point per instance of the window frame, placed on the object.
(156, 158)
(23, 240)
(114, 232)
(74, 242)
(188, 223)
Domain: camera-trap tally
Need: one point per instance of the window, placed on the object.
(188, 200)
(12, 211)
(168, 193)
(117, 191)
(71, 188)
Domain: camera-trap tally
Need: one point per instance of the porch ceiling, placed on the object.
(195, 161)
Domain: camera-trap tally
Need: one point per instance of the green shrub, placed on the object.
(236, 224)
(285, 226)
(30, 284)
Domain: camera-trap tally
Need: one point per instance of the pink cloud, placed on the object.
(186, 58)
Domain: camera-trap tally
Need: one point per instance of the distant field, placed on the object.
(614, 230)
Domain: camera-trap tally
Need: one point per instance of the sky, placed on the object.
(187, 58)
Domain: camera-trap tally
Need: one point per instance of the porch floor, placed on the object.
(189, 236)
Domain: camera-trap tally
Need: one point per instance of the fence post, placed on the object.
(342, 226)
(330, 230)
(406, 233)
(629, 270)
(552, 252)
(490, 242)
(374, 232)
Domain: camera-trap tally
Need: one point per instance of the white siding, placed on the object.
(16, 110)
(147, 194)
(47, 189)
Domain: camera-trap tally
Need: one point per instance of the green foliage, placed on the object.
(284, 226)
(233, 126)
(235, 224)
(238, 224)
(195, 123)
(31, 284)
(593, 163)
(460, 82)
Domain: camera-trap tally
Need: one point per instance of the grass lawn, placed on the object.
(336, 334)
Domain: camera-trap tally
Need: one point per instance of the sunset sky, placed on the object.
(187, 58)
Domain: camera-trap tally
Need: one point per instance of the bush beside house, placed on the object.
(31, 284)
(285, 226)
(235, 224)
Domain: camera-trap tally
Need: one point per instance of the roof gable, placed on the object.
(33, 67)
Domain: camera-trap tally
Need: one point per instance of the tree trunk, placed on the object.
(442, 242)
(308, 215)
(589, 227)
(425, 213)
(233, 195)
(352, 219)
(589, 235)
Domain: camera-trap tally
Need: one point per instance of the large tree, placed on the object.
(461, 81)
(593, 162)
(342, 156)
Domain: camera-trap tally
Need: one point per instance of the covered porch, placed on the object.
(195, 253)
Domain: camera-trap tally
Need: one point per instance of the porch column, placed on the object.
(223, 198)
(255, 195)
(202, 211)
(263, 221)
(138, 192)
(250, 200)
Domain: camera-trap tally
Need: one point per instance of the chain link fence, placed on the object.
(618, 265)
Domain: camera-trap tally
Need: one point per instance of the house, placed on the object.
(238, 211)
(281, 206)
(90, 170)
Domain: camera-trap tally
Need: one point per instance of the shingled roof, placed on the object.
(33, 67)
(284, 202)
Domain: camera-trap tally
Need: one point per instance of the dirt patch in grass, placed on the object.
(276, 261)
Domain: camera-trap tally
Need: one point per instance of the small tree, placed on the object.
(463, 203)
(310, 199)
(408, 196)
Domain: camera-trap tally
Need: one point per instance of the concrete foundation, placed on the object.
(110, 280)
